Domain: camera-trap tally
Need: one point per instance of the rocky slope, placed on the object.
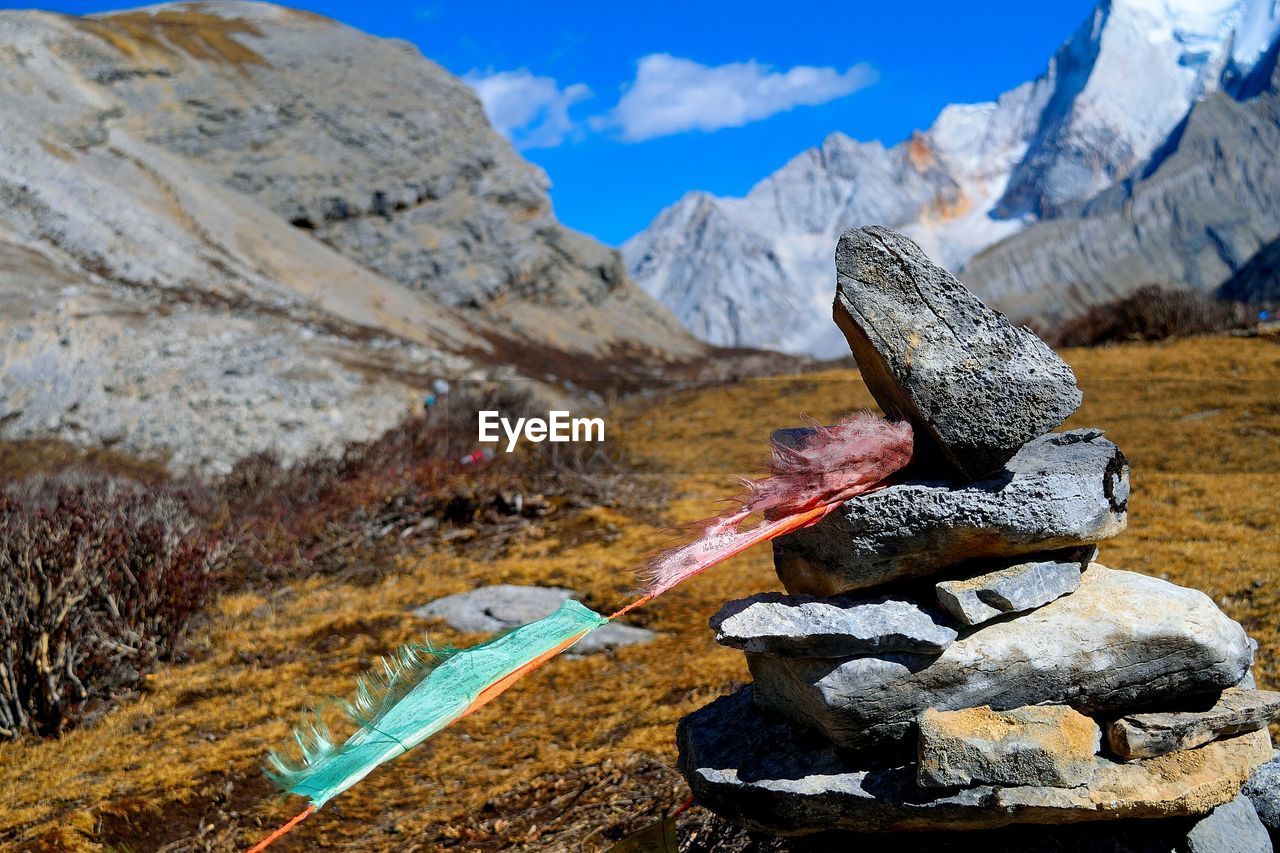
(1206, 203)
(230, 227)
(750, 271)
(1258, 281)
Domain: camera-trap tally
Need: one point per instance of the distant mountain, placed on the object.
(227, 227)
(757, 271)
(1193, 216)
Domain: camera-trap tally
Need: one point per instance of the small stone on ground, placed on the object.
(501, 607)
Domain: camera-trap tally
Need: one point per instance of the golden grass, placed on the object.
(188, 29)
(1200, 420)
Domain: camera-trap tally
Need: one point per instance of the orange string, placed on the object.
(493, 691)
(297, 819)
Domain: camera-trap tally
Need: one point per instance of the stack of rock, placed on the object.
(949, 655)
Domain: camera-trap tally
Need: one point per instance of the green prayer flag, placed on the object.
(417, 695)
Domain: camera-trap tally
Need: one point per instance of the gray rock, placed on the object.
(807, 626)
(1120, 641)
(1235, 711)
(1062, 490)
(1014, 589)
(1263, 790)
(505, 606)
(1049, 745)
(760, 770)
(974, 386)
(1232, 827)
(1249, 682)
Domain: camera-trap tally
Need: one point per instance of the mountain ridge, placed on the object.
(236, 227)
(980, 174)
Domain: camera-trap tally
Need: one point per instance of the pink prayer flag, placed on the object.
(805, 483)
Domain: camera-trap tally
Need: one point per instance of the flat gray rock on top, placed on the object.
(1062, 490)
(1013, 589)
(501, 607)
(804, 625)
(1120, 641)
(975, 386)
(1156, 733)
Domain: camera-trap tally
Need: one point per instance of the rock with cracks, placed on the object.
(805, 626)
(1013, 589)
(1149, 734)
(1049, 745)
(1063, 490)
(1120, 641)
(975, 387)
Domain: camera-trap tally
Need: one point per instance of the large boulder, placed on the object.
(763, 771)
(1062, 490)
(975, 387)
(803, 625)
(1122, 640)
(1155, 733)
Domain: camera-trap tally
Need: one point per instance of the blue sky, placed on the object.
(632, 105)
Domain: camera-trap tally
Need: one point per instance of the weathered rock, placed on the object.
(1049, 745)
(972, 384)
(1063, 490)
(769, 774)
(1235, 711)
(807, 626)
(504, 606)
(1120, 641)
(1233, 827)
(1013, 589)
(1263, 790)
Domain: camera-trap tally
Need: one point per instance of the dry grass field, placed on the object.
(582, 749)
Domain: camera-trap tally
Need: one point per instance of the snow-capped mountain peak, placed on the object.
(749, 271)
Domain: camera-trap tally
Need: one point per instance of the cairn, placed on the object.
(949, 654)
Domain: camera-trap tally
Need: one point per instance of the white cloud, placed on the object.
(673, 95)
(533, 112)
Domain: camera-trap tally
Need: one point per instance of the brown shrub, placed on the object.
(328, 514)
(1150, 313)
(100, 573)
(98, 578)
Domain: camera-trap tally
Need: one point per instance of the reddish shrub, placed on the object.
(1150, 313)
(98, 579)
(318, 514)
